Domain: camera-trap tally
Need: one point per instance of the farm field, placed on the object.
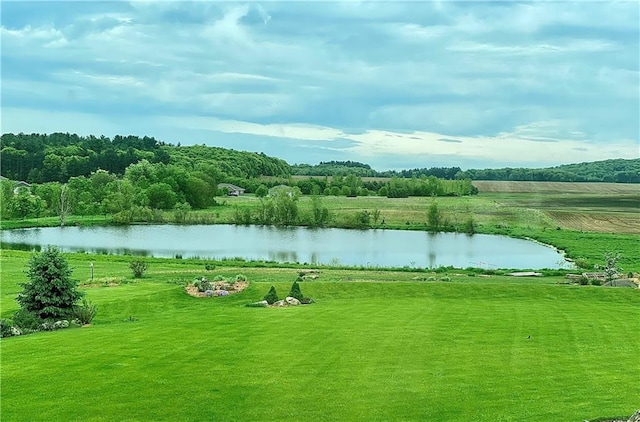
(376, 345)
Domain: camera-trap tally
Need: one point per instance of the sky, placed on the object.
(393, 84)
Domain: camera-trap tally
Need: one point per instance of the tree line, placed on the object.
(617, 170)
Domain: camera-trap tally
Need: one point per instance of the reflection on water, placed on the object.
(371, 248)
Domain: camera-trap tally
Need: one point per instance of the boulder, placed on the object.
(292, 301)
(222, 293)
(280, 304)
(208, 293)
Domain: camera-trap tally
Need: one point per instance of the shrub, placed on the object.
(241, 277)
(50, 292)
(219, 278)
(295, 291)
(138, 268)
(27, 321)
(271, 297)
(209, 267)
(596, 282)
(5, 328)
(307, 300)
(203, 285)
(85, 312)
(445, 278)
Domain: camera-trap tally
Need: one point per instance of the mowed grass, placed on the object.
(375, 346)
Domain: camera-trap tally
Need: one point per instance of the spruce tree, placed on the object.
(50, 291)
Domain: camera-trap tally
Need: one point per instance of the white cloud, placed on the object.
(482, 73)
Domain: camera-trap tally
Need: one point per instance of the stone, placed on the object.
(635, 417)
(280, 304)
(292, 301)
(223, 293)
(208, 293)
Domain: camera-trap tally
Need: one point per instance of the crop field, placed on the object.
(376, 345)
(596, 188)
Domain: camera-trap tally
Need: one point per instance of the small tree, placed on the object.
(610, 268)
(271, 297)
(50, 292)
(434, 217)
(138, 268)
(262, 191)
(295, 291)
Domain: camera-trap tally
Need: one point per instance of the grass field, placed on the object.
(375, 346)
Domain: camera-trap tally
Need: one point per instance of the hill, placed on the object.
(40, 158)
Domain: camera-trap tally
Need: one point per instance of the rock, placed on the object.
(208, 293)
(635, 417)
(280, 304)
(262, 303)
(223, 293)
(292, 301)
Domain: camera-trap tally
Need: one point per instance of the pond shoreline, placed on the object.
(388, 247)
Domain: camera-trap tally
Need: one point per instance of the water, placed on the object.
(371, 248)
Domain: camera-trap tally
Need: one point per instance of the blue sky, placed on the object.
(392, 84)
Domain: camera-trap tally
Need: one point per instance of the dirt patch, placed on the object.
(234, 288)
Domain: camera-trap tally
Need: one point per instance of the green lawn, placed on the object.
(375, 346)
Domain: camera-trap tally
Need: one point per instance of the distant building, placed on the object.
(232, 190)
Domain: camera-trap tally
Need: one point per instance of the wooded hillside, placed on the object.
(40, 158)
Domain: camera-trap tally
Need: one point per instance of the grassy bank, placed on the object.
(377, 345)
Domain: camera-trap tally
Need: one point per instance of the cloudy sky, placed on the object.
(393, 84)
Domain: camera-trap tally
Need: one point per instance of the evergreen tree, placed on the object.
(295, 291)
(271, 297)
(50, 292)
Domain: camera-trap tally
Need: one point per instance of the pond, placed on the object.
(371, 248)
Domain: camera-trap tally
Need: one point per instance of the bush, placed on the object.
(241, 277)
(203, 285)
(295, 291)
(27, 321)
(445, 278)
(209, 267)
(50, 292)
(271, 297)
(5, 328)
(85, 312)
(138, 268)
(307, 300)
